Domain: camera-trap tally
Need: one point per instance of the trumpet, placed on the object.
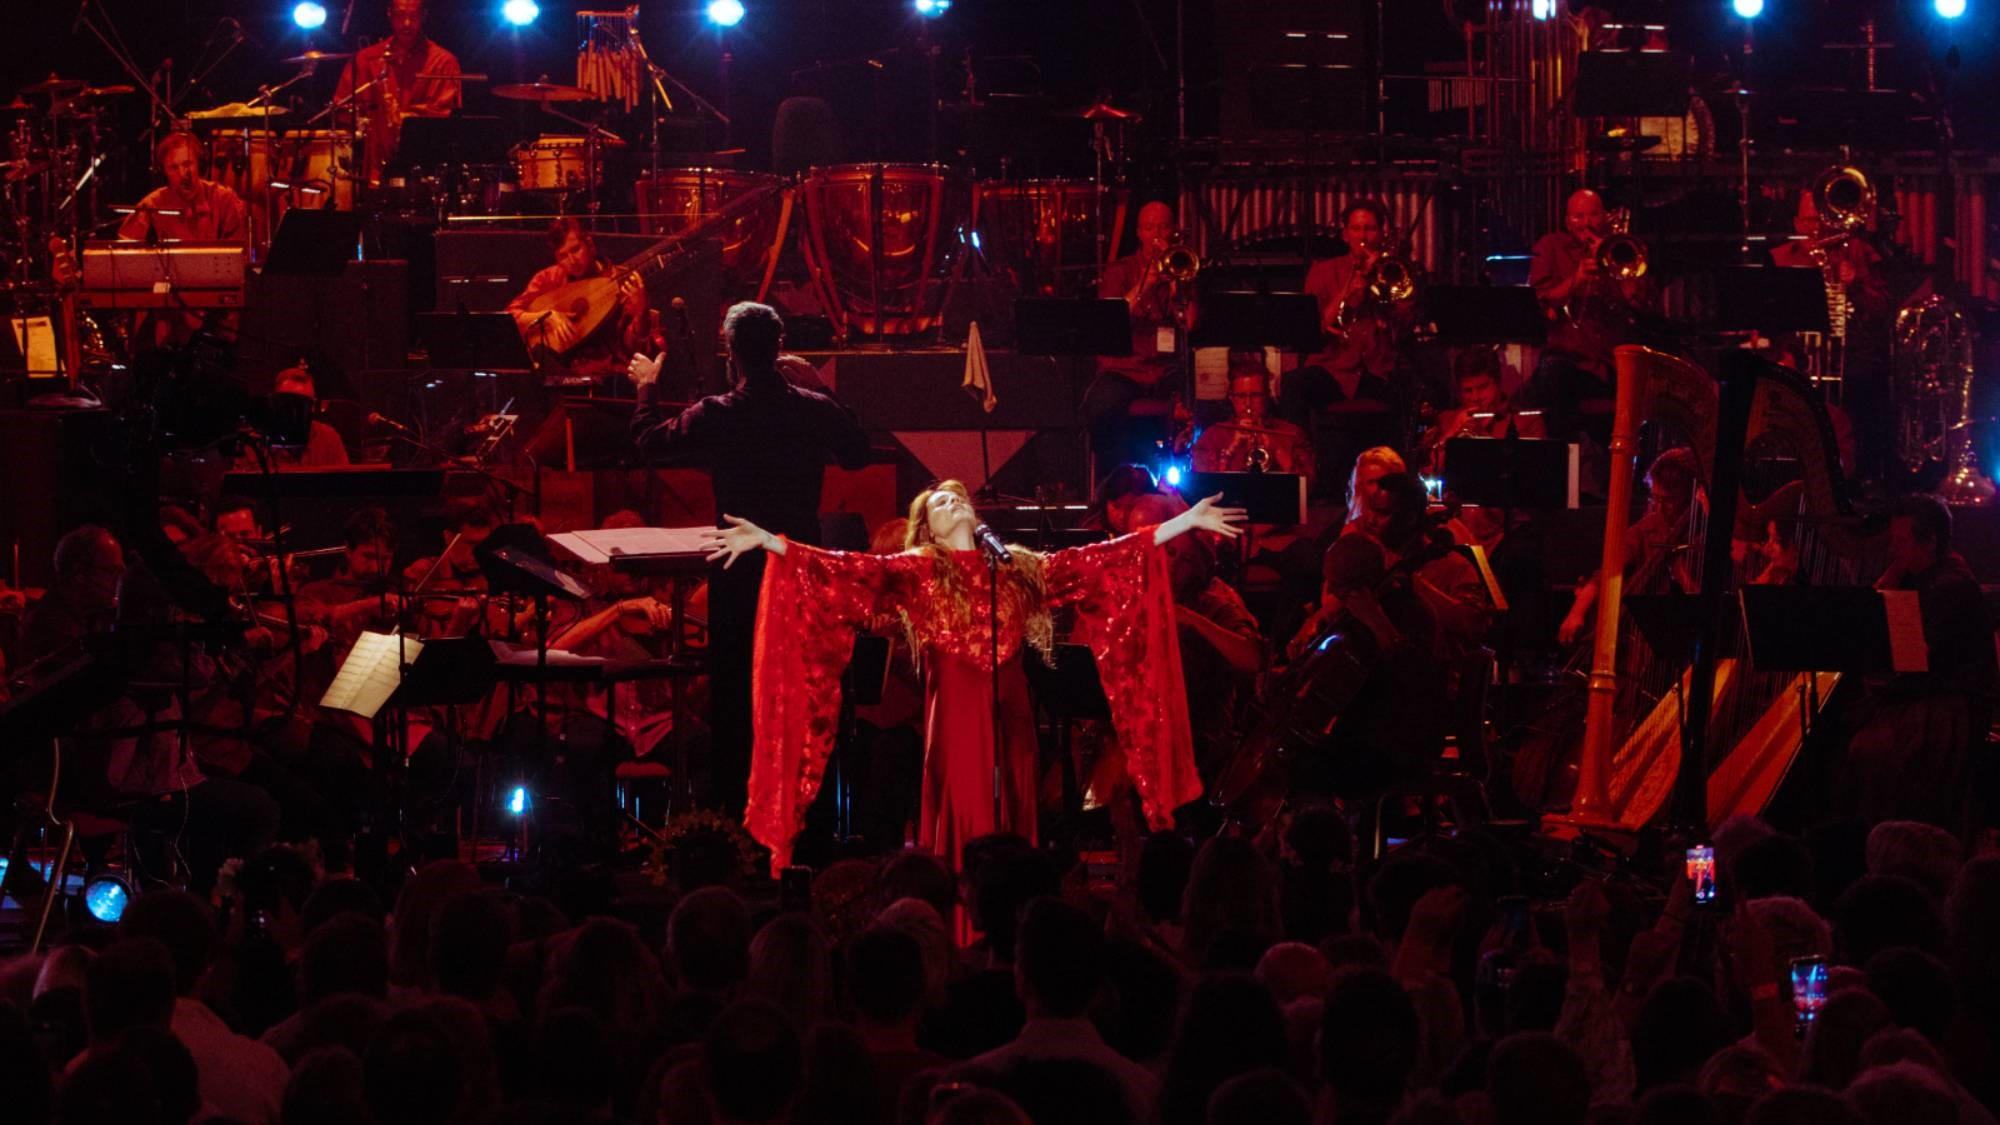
(1179, 263)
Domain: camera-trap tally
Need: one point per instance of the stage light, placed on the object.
(520, 13)
(931, 9)
(518, 802)
(1172, 477)
(1542, 9)
(106, 896)
(1748, 9)
(725, 13)
(309, 15)
(1950, 9)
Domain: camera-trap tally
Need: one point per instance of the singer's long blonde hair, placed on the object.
(1024, 583)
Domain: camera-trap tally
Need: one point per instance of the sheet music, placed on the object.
(371, 673)
(1908, 651)
(600, 546)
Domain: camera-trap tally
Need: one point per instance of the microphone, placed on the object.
(991, 546)
(391, 424)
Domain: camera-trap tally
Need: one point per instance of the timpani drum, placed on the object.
(1044, 235)
(678, 198)
(884, 243)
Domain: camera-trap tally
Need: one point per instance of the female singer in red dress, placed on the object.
(814, 600)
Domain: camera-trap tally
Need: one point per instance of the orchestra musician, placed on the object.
(1148, 379)
(1483, 411)
(396, 79)
(1655, 544)
(1251, 440)
(1355, 370)
(600, 356)
(187, 208)
(1847, 261)
(1591, 313)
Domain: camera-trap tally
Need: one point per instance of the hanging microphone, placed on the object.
(386, 423)
(991, 546)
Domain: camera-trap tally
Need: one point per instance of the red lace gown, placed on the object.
(814, 601)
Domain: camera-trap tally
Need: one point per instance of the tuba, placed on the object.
(1844, 197)
(1931, 384)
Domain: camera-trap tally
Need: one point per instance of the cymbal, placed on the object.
(543, 92)
(318, 56)
(117, 91)
(1101, 111)
(54, 85)
(16, 106)
(233, 111)
(452, 77)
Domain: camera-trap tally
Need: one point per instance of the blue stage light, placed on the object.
(309, 15)
(520, 13)
(106, 897)
(931, 9)
(1172, 476)
(1950, 9)
(1748, 9)
(725, 13)
(517, 801)
(1543, 9)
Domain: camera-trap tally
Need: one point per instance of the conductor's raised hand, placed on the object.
(1210, 515)
(642, 370)
(724, 544)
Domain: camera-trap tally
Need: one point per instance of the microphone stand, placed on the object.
(993, 627)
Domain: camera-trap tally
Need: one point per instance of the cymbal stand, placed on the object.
(592, 131)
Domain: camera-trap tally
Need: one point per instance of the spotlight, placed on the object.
(1950, 9)
(518, 802)
(309, 15)
(1172, 477)
(520, 13)
(1748, 9)
(725, 13)
(106, 896)
(931, 9)
(1543, 9)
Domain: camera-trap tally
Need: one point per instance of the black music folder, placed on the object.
(1834, 629)
(1055, 326)
(1274, 498)
(1248, 321)
(1525, 474)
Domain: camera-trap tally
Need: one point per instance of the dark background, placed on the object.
(1068, 52)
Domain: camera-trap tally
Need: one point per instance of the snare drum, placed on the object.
(897, 285)
(553, 163)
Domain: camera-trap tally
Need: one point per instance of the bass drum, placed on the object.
(884, 243)
(678, 198)
(1044, 235)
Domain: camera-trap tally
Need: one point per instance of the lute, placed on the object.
(589, 302)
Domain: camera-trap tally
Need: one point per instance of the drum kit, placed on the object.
(882, 243)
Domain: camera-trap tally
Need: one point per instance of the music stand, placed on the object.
(1246, 321)
(473, 341)
(1486, 314)
(1268, 498)
(450, 140)
(312, 243)
(448, 672)
(1834, 629)
(1770, 299)
(1057, 326)
(1511, 473)
(1068, 689)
